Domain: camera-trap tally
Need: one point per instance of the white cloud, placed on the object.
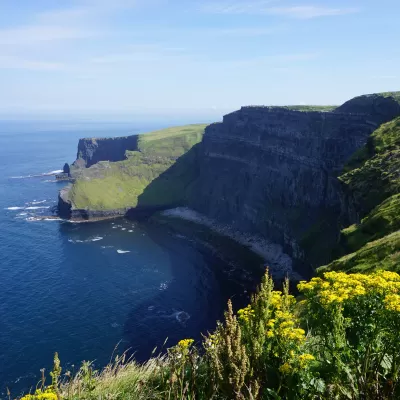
(266, 8)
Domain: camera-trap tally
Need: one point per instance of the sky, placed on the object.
(192, 57)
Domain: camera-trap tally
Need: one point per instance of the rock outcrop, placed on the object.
(93, 150)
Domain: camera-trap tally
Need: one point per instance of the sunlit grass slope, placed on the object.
(372, 180)
(163, 155)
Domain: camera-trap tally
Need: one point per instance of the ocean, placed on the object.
(84, 290)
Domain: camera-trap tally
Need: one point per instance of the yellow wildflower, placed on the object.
(286, 368)
(185, 343)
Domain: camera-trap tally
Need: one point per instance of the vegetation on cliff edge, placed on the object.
(339, 342)
(371, 181)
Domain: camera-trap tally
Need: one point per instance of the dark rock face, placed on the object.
(379, 109)
(66, 169)
(272, 171)
(64, 205)
(93, 150)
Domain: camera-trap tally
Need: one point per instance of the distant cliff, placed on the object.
(93, 150)
(108, 188)
(269, 171)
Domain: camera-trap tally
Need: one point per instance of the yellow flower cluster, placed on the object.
(185, 343)
(285, 368)
(339, 287)
(392, 302)
(296, 363)
(283, 327)
(48, 394)
(245, 313)
(305, 359)
(276, 300)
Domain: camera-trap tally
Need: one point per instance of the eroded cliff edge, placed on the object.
(268, 171)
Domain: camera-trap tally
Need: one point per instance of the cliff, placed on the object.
(273, 171)
(264, 171)
(108, 189)
(93, 150)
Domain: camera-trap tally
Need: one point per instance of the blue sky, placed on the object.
(204, 57)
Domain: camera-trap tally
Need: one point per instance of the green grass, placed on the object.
(381, 221)
(372, 174)
(383, 253)
(310, 108)
(372, 180)
(156, 175)
(395, 95)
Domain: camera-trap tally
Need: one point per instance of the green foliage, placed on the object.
(372, 173)
(395, 95)
(383, 253)
(354, 320)
(380, 222)
(166, 157)
(371, 181)
(339, 342)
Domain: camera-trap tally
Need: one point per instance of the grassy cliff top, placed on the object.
(310, 108)
(395, 95)
(142, 179)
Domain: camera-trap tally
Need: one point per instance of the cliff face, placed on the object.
(93, 150)
(272, 171)
(269, 171)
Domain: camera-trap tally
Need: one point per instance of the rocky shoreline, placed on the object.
(279, 263)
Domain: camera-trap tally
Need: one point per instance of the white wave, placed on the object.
(130, 231)
(107, 247)
(55, 172)
(22, 214)
(182, 316)
(36, 208)
(123, 251)
(123, 229)
(96, 239)
(21, 177)
(38, 202)
(42, 219)
(14, 208)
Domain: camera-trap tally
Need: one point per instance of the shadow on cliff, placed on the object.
(171, 188)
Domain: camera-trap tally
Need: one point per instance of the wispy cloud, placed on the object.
(307, 12)
(245, 31)
(236, 7)
(8, 62)
(267, 8)
(28, 35)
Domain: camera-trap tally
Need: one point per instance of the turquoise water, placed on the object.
(82, 289)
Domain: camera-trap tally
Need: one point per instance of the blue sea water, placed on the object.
(82, 289)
